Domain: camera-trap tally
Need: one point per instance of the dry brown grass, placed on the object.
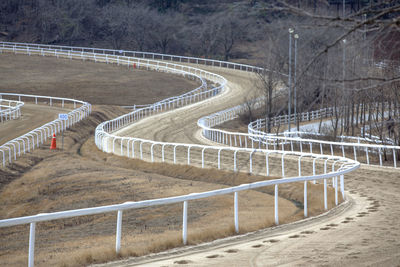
(92, 178)
(82, 176)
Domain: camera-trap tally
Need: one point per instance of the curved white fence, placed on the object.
(10, 109)
(310, 167)
(22, 144)
(371, 154)
(135, 54)
(260, 124)
(257, 139)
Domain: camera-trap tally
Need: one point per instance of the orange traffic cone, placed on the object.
(53, 142)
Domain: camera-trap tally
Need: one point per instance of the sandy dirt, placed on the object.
(32, 116)
(96, 83)
(364, 233)
(82, 176)
(181, 125)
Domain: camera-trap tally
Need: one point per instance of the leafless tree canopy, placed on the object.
(348, 57)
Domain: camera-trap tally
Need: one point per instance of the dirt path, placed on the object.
(96, 83)
(181, 125)
(82, 176)
(32, 116)
(365, 231)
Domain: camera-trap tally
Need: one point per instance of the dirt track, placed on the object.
(366, 233)
(181, 125)
(82, 171)
(95, 83)
(82, 176)
(32, 116)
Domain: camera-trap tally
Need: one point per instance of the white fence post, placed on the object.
(305, 199)
(118, 234)
(276, 205)
(184, 224)
(236, 212)
(325, 196)
(336, 191)
(342, 185)
(31, 257)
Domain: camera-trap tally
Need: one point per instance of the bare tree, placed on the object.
(231, 30)
(341, 84)
(116, 18)
(208, 37)
(269, 81)
(140, 25)
(164, 30)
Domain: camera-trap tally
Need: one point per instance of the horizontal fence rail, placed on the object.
(33, 139)
(310, 166)
(138, 54)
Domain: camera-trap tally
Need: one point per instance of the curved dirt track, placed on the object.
(82, 176)
(32, 116)
(363, 231)
(181, 125)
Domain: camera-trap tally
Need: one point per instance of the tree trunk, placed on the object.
(364, 117)
(383, 107)
(358, 113)
(370, 118)
(352, 117)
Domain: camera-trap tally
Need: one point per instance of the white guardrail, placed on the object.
(372, 152)
(9, 109)
(229, 157)
(257, 139)
(22, 144)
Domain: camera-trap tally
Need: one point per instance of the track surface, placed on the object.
(181, 125)
(366, 233)
(32, 116)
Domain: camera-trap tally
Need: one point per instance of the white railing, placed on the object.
(257, 139)
(253, 160)
(10, 109)
(312, 115)
(364, 146)
(195, 95)
(32, 220)
(22, 144)
(139, 54)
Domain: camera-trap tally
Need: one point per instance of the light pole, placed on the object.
(290, 76)
(344, 63)
(296, 36)
(344, 74)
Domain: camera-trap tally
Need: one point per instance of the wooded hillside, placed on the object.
(347, 53)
